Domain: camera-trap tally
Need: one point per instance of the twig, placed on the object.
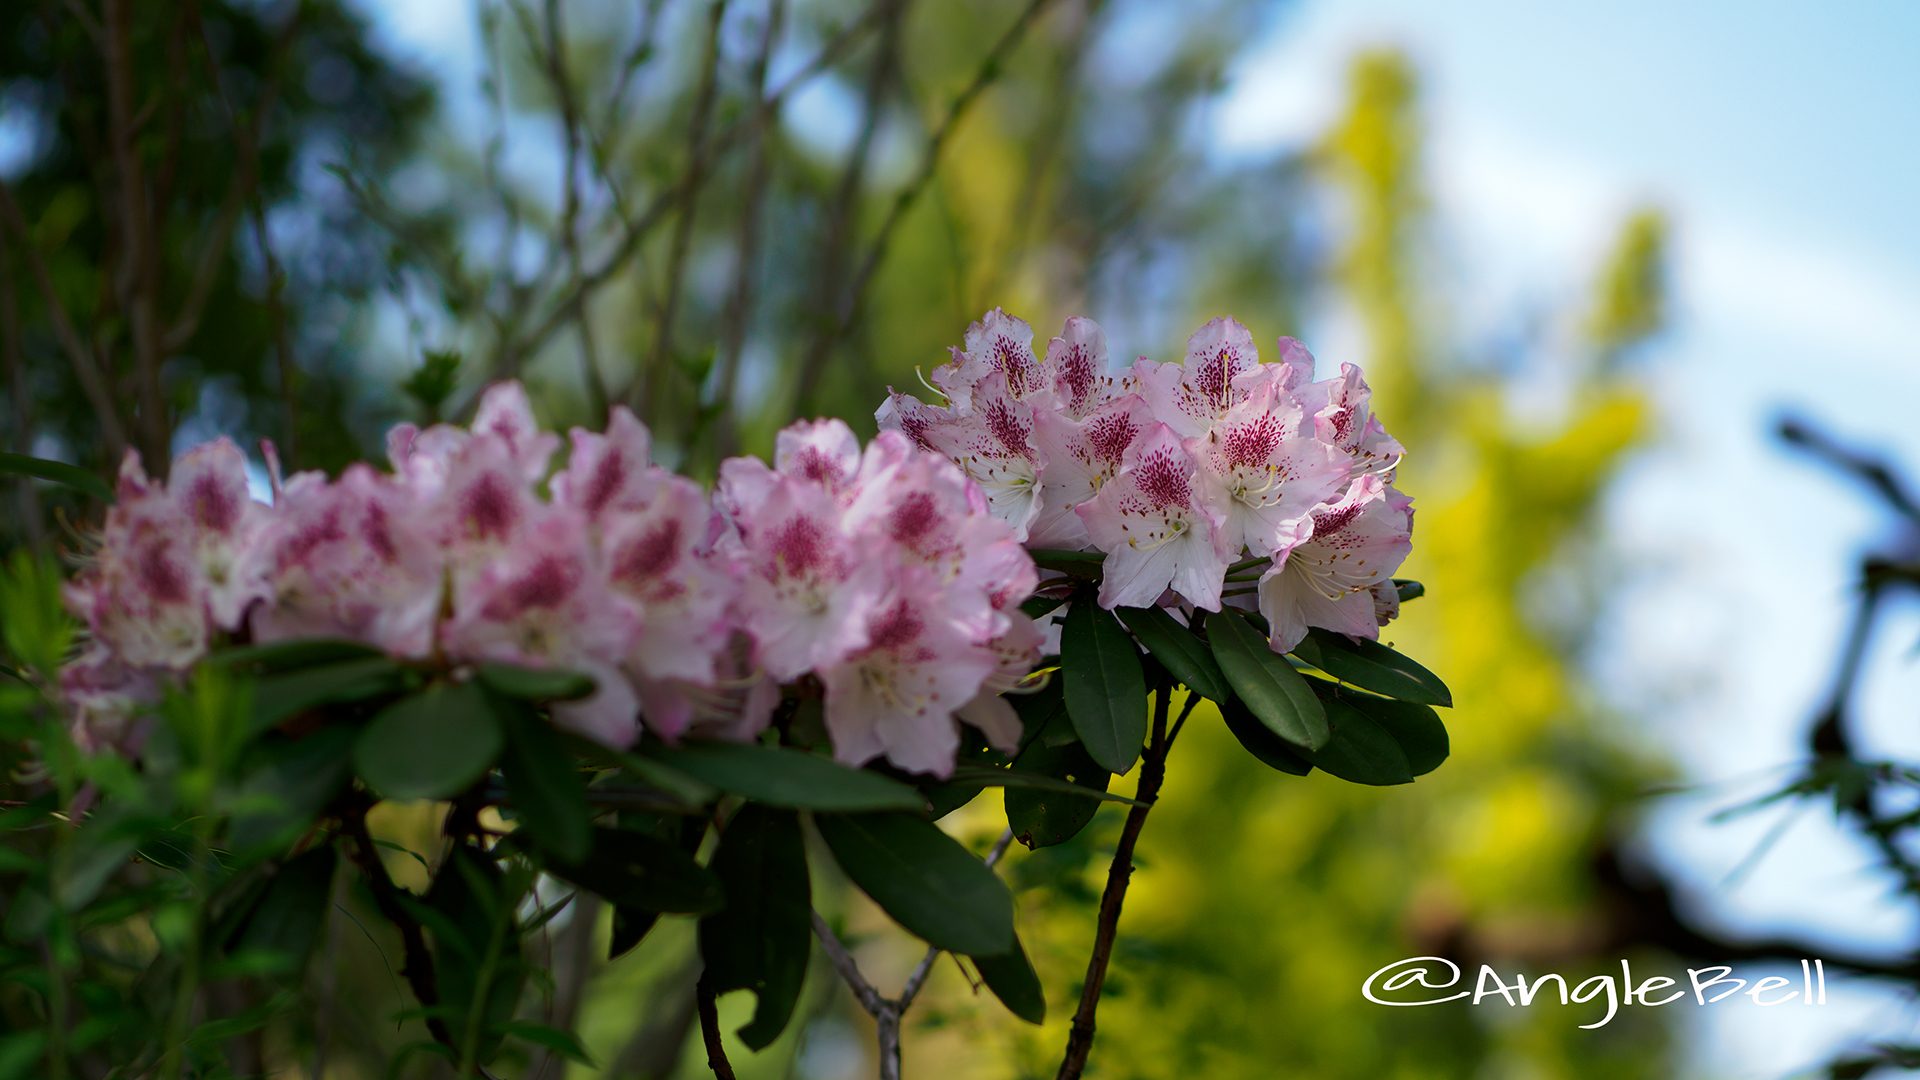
(710, 1030)
(93, 382)
(1872, 471)
(417, 963)
(138, 274)
(698, 136)
(918, 977)
(1153, 771)
(633, 229)
(746, 274)
(988, 71)
(22, 403)
(570, 209)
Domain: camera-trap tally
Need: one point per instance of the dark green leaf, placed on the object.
(1272, 750)
(431, 745)
(1370, 665)
(630, 926)
(1041, 818)
(1040, 708)
(564, 1043)
(1409, 590)
(985, 776)
(58, 472)
(469, 912)
(1277, 695)
(1105, 686)
(761, 940)
(292, 780)
(543, 782)
(1081, 564)
(639, 870)
(287, 918)
(1417, 728)
(790, 778)
(1034, 607)
(1361, 751)
(924, 879)
(282, 697)
(535, 684)
(1179, 650)
(1011, 977)
(283, 656)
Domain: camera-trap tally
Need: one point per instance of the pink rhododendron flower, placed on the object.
(1082, 455)
(610, 471)
(1158, 528)
(1264, 474)
(1329, 579)
(348, 559)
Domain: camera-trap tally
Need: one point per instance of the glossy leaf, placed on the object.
(639, 870)
(282, 697)
(58, 472)
(282, 656)
(1276, 694)
(984, 776)
(1361, 751)
(1081, 564)
(1105, 686)
(1041, 817)
(1179, 650)
(1272, 751)
(543, 780)
(535, 684)
(791, 778)
(762, 938)
(287, 917)
(924, 879)
(1011, 977)
(1370, 665)
(1408, 589)
(1416, 728)
(431, 745)
(291, 781)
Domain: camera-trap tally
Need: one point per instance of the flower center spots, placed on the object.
(800, 545)
(211, 505)
(1252, 443)
(913, 519)
(1342, 422)
(159, 575)
(816, 466)
(1162, 481)
(548, 583)
(1005, 427)
(1016, 363)
(1330, 521)
(1109, 436)
(489, 509)
(1214, 380)
(608, 474)
(896, 629)
(378, 531)
(304, 543)
(1076, 377)
(652, 555)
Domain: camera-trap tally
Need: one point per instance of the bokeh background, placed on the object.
(1589, 259)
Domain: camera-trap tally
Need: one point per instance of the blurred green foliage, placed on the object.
(1079, 180)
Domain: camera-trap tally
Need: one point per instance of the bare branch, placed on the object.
(984, 76)
(93, 382)
(556, 67)
(697, 139)
(138, 277)
(710, 1030)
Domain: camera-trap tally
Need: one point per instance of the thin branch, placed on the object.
(746, 274)
(1872, 471)
(989, 70)
(843, 962)
(286, 369)
(710, 1030)
(417, 963)
(138, 277)
(830, 276)
(1153, 771)
(93, 382)
(698, 136)
(556, 66)
(634, 229)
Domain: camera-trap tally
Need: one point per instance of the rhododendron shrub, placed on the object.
(1029, 580)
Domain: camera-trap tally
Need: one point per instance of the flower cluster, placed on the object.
(1180, 473)
(879, 573)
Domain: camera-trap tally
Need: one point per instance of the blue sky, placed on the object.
(1776, 136)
